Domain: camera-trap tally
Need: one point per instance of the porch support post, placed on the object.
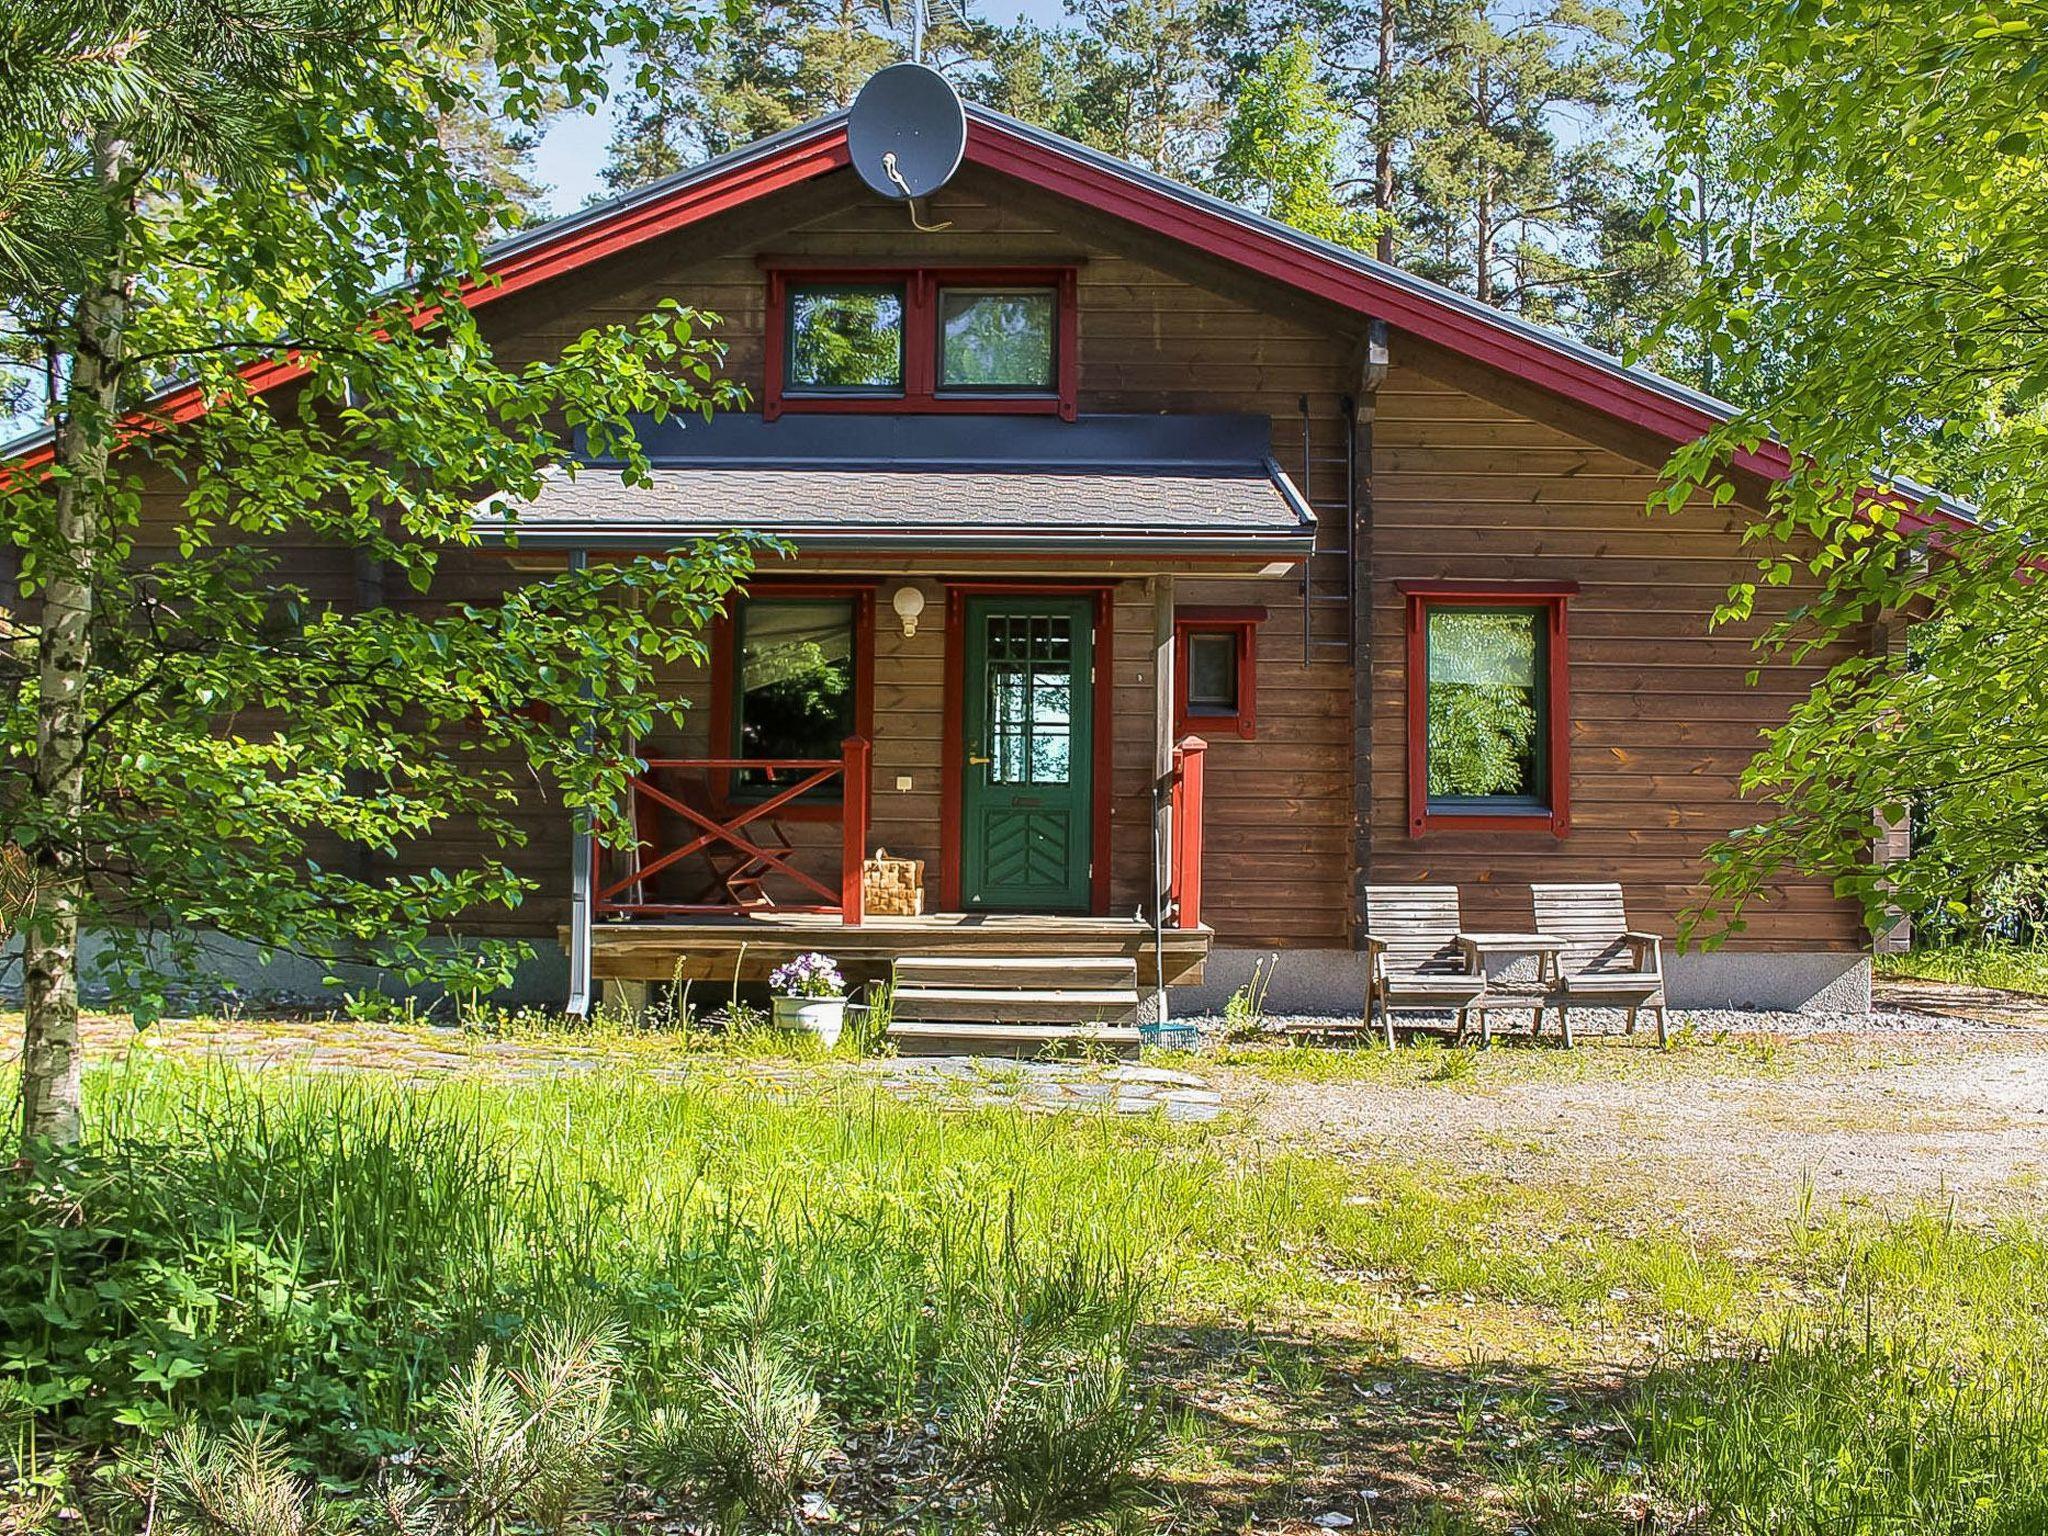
(581, 871)
(857, 756)
(1162, 778)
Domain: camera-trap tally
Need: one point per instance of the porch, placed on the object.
(746, 946)
(720, 889)
(977, 657)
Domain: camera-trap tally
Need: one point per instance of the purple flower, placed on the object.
(808, 975)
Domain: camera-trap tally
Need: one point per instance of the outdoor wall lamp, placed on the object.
(908, 603)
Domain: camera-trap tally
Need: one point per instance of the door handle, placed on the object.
(977, 762)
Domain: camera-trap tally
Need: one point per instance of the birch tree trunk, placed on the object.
(52, 1060)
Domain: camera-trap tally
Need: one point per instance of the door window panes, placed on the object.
(846, 338)
(1030, 688)
(996, 339)
(1486, 708)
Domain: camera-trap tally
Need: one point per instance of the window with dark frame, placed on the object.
(1488, 711)
(845, 338)
(1212, 673)
(795, 673)
(1214, 667)
(1486, 746)
(1000, 340)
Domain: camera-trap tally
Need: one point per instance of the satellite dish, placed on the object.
(907, 131)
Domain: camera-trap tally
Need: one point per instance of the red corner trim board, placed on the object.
(1031, 160)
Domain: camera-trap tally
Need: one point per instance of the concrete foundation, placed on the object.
(1302, 981)
(238, 972)
(1332, 981)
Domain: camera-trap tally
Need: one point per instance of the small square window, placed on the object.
(1214, 673)
(997, 339)
(846, 338)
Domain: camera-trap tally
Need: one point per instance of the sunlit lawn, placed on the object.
(1390, 1342)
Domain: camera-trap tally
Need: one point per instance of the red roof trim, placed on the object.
(990, 146)
(1000, 149)
(630, 226)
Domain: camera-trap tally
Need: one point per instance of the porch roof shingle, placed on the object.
(1105, 484)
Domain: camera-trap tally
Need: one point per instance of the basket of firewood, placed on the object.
(892, 887)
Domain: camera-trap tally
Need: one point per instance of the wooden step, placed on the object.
(1019, 1040)
(1020, 1005)
(1025, 971)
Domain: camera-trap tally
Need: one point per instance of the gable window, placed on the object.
(1488, 713)
(846, 337)
(1215, 656)
(986, 340)
(996, 338)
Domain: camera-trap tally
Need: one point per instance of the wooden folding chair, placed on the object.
(1417, 963)
(1605, 963)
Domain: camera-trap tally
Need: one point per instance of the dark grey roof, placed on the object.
(1103, 484)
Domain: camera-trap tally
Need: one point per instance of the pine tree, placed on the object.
(1493, 198)
(774, 65)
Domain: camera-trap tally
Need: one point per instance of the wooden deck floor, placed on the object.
(710, 948)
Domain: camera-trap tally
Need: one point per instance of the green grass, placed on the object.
(321, 1250)
(1511, 1063)
(2006, 967)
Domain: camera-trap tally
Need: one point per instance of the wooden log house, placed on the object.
(1161, 576)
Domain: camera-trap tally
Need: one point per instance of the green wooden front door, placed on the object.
(1027, 795)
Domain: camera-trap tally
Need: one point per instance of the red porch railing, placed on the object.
(1185, 890)
(734, 836)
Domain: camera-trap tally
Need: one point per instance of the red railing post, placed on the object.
(1187, 831)
(856, 753)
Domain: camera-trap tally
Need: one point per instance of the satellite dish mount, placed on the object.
(906, 134)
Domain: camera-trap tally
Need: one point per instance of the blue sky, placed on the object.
(572, 152)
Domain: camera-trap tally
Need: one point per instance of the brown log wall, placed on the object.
(1470, 476)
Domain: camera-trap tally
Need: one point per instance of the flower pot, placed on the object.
(820, 1016)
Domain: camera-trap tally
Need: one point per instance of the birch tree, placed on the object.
(193, 194)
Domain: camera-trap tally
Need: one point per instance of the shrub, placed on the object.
(1244, 1012)
(1039, 1404)
(748, 1430)
(1453, 1064)
(530, 1447)
(237, 1483)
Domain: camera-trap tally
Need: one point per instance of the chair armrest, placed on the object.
(1650, 944)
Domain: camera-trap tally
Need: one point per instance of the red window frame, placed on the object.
(723, 669)
(1547, 597)
(1242, 624)
(920, 392)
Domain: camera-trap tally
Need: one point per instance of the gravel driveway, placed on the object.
(1905, 1107)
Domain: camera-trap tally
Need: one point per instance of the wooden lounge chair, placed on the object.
(1605, 963)
(1411, 945)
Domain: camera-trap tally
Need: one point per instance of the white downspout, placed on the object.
(1162, 771)
(580, 893)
